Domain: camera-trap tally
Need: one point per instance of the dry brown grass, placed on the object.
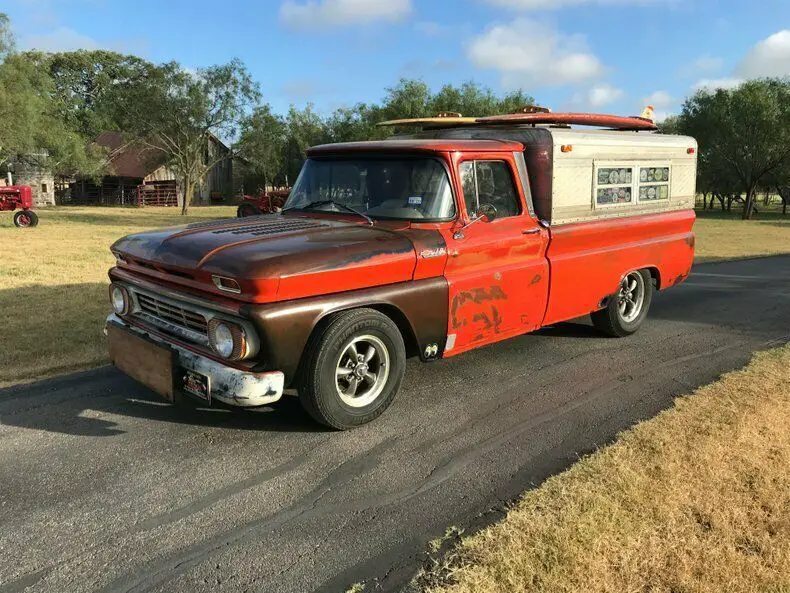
(694, 500)
(53, 285)
(53, 278)
(721, 236)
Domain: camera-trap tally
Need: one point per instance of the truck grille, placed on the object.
(173, 317)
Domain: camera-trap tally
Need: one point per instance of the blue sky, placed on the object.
(600, 55)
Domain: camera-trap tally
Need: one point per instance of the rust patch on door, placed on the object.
(477, 307)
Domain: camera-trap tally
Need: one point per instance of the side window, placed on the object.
(653, 183)
(631, 184)
(468, 186)
(489, 182)
(614, 185)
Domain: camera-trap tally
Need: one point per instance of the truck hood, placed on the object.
(274, 257)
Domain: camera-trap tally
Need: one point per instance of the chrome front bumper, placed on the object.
(228, 385)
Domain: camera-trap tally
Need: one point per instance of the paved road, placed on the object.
(104, 488)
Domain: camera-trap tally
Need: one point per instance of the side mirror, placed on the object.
(486, 212)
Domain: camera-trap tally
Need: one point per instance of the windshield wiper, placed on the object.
(333, 203)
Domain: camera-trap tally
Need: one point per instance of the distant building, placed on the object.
(33, 169)
(140, 176)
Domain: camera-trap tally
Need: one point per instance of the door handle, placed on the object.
(534, 231)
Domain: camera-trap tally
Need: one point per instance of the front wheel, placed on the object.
(25, 219)
(628, 308)
(353, 369)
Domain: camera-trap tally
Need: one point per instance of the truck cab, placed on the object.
(451, 238)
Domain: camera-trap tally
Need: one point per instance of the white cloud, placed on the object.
(311, 14)
(659, 100)
(770, 57)
(61, 39)
(557, 4)
(600, 95)
(712, 84)
(704, 65)
(528, 53)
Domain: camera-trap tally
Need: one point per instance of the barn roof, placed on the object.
(128, 158)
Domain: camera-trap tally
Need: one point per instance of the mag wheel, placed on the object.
(353, 369)
(628, 308)
(25, 219)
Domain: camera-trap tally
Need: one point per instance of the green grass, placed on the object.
(53, 284)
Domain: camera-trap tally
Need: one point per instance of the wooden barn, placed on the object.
(141, 177)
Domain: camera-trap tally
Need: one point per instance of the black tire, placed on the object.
(247, 210)
(321, 380)
(612, 321)
(25, 219)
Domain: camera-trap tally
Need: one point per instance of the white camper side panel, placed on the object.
(603, 174)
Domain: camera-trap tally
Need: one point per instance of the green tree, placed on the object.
(305, 128)
(472, 99)
(81, 81)
(174, 112)
(262, 143)
(743, 133)
(30, 120)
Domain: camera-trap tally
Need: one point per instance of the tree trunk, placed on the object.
(189, 189)
(748, 206)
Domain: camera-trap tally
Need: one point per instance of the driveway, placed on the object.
(103, 487)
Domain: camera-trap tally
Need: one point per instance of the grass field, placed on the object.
(53, 285)
(722, 235)
(53, 279)
(694, 500)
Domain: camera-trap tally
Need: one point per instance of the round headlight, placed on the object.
(119, 300)
(222, 340)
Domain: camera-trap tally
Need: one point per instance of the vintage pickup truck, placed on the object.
(461, 234)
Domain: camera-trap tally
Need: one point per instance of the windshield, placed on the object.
(404, 188)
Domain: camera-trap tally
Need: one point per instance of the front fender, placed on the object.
(284, 328)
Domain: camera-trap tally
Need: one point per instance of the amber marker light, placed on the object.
(566, 148)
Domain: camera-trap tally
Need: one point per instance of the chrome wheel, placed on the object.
(362, 371)
(631, 297)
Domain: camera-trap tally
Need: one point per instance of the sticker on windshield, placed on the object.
(415, 200)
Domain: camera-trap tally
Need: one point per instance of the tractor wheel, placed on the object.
(247, 210)
(25, 218)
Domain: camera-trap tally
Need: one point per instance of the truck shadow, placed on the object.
(104, 403)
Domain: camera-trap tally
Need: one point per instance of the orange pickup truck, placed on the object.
(461, 234)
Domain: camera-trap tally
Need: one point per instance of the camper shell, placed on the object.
(568, 168)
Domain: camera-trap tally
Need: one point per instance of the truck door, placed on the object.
(497, 269)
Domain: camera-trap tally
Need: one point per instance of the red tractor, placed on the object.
(19, 197)
(266, 203)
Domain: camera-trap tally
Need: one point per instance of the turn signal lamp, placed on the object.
(566, 148)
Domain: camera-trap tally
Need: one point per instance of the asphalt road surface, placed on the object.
(105, 488)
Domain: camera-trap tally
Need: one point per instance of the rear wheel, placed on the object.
(353, 369)
(247, 210)
(627, 309)
(25, 218)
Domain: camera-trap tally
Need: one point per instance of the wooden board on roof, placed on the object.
(431, 121)
(614, 122)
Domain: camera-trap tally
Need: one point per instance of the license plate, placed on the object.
(197, 385)
(147, 361)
